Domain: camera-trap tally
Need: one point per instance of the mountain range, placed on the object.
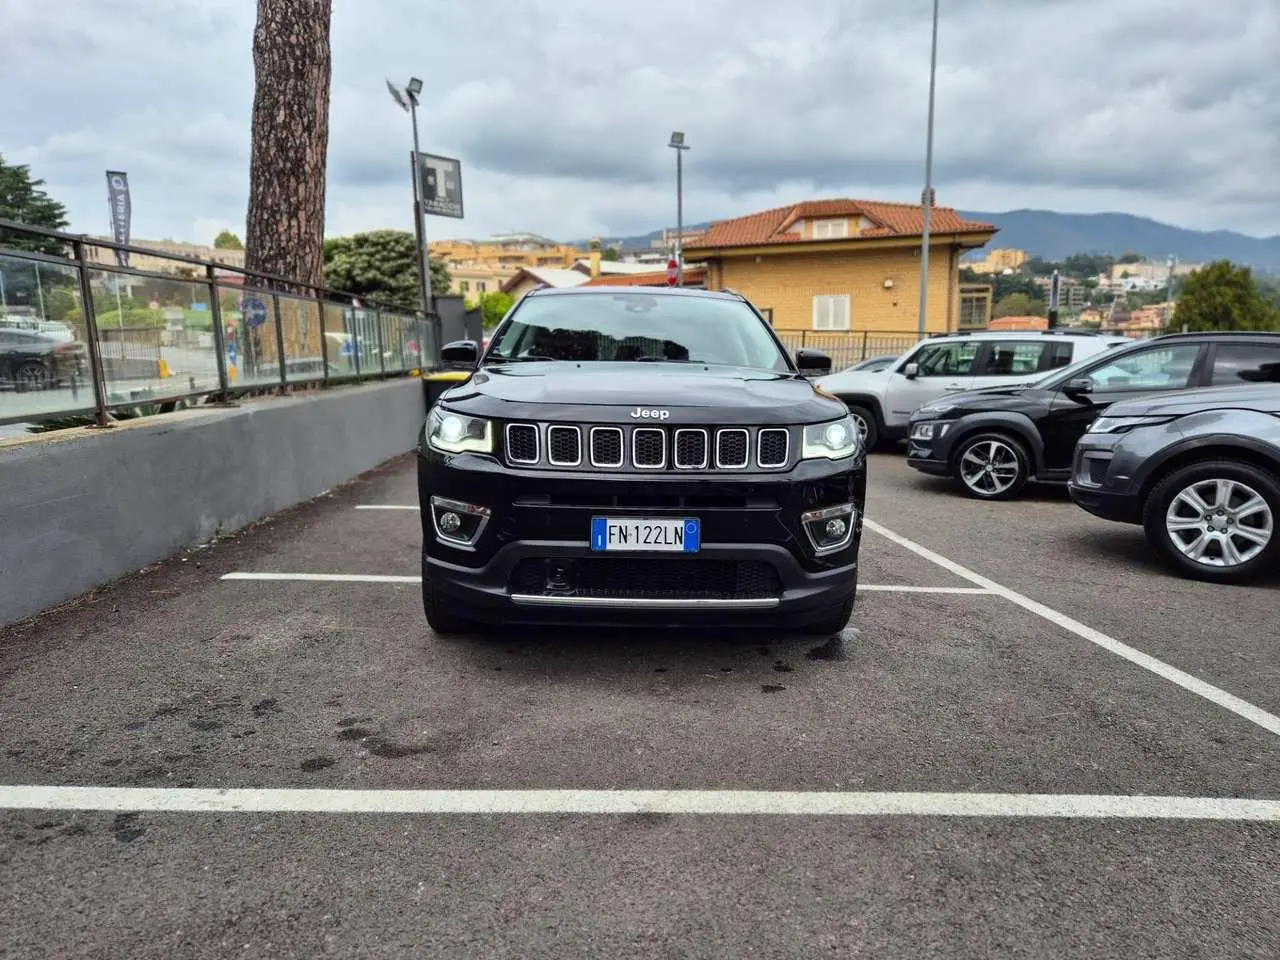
(1055, 236)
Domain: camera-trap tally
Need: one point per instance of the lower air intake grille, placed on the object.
(645, 579)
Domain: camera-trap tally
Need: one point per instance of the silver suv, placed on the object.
(882, 402)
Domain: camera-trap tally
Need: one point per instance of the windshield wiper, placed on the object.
(524, 359)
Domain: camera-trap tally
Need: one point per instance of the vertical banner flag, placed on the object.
(121, 211)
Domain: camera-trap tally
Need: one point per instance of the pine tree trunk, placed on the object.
(284, 232)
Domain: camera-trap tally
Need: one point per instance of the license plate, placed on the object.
(633, 533)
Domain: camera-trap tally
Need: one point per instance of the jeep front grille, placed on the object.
(650, 449)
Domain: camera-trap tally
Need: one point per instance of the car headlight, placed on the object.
(1125, 424)
(451, 432)
(833, 440)
(930, 430)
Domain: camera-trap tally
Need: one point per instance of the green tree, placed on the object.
(381, 265)
(610, 253)
(1223, 296)
(22, 199)
(495, 306)
(1019, 305)
(1130, 257)
(227, 240)
(1039, 267)
(1087, 266)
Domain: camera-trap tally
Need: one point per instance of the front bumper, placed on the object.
(755, 563)
(1097, 487)
(930, 456)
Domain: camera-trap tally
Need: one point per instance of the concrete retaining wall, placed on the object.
(80, 508)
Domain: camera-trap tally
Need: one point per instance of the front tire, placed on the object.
(991, 466)
(865, 421)
(32, 375)
(442, 619)
(1216, 520)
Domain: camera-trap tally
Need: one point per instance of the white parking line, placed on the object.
(596, 802)
(383, 578)
(387, 506)
(1241, 708)
(323, 577)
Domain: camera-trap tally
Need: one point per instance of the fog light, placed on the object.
(456, 523)
(829, 529)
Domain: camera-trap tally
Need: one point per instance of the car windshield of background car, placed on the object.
(1063, 374)
(638, 327)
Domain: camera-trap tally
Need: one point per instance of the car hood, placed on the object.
(1264, 398)
(847, 381)
(613, 392)
(1011, 397)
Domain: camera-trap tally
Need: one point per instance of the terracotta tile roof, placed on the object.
(890, 219)
(658, 278)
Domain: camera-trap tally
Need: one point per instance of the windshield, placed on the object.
(637, 327)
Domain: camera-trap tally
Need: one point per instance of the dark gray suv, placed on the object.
(1200, 470)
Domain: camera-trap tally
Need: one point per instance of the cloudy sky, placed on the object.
(560, 111)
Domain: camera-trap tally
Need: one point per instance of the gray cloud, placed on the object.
(560, 110)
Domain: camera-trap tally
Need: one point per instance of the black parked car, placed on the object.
(992, 442)
(642, 455)
(34, 361)
(1199, 470)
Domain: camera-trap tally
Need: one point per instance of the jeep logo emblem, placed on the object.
(640, 413)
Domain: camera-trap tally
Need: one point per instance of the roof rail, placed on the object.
(732, 291)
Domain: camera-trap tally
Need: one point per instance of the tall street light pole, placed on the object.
(407, 99)
(926, 198)
(679, 146)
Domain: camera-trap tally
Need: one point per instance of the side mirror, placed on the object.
(1078, 386)
(812, 362)
(911, 371)
(461, 353)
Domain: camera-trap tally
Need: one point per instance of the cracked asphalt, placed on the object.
(175, 678)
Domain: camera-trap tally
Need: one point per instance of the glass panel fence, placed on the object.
(300, 321)
(44, 356)
(343, 360)
(249, 331)
(155, 337)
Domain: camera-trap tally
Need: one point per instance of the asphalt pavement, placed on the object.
(1032, 742)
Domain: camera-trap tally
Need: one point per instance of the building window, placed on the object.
(479, 286)
(975, 306)
(831, 312)
(830, 229)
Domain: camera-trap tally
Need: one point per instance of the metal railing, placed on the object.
(81, 335)
(848, 347)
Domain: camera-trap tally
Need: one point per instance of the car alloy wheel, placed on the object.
(865, 423)
(1219, 522)
(991, 467)
(32, 376)
(1215, 520)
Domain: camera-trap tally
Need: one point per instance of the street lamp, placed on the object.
(926, 198)
(407, 100)
(679, 146)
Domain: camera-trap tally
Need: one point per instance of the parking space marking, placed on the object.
(388, 506)
(595, 802)
(322, 577)
(1241, 708)
(386, 578)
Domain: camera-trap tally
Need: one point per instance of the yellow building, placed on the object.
(483, 266)
(843, 265)
(142, 261)
(998, 261)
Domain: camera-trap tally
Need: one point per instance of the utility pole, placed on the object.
(407, 100)
(1168, 292)
(677, 143)
(926, 198)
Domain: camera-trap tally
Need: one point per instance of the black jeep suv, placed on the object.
(992, 442)
(646, 455)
